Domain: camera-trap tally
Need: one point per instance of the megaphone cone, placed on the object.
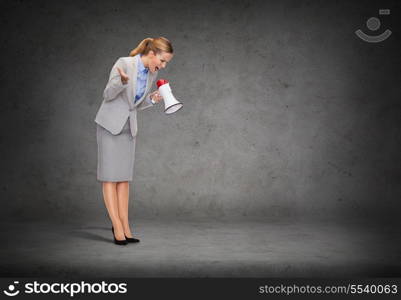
(171, 104)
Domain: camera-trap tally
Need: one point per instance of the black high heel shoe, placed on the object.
(117, 242)
(129, 240)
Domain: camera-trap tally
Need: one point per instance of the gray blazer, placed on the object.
(118, 98)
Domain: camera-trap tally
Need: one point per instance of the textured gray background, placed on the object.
(286, 112)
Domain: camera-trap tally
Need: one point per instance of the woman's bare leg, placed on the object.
(123, 197)
(111, 201)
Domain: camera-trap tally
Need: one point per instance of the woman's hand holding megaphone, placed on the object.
(124, 77)
(156, 97)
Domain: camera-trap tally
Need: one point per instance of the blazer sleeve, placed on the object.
(114, 85)
(145, 103)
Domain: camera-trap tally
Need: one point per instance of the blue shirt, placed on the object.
(141, 79)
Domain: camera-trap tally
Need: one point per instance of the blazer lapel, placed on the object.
(132, 74)
(149, 81)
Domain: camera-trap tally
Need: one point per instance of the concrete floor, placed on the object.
(202, 248)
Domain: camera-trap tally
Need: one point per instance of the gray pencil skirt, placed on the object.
(116, 154)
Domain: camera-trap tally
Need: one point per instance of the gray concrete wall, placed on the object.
(286, 112)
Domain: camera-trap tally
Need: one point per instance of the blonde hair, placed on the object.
(157, 45)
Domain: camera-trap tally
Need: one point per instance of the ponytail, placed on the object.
(157, 45)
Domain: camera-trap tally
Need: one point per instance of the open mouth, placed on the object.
(157, 69)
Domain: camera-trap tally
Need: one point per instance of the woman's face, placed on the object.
(158, 61)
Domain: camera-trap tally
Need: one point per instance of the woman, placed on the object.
(127, 91)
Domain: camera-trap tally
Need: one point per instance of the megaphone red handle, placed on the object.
(160, 82)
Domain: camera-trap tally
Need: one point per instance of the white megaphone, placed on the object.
(171, 105)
